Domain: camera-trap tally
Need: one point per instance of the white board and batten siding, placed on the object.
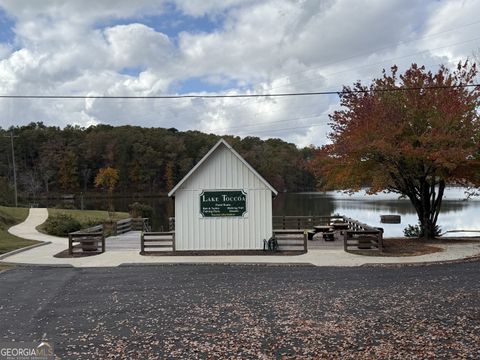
(222, 169)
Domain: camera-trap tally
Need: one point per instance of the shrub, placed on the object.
(140, 210)
(61, 225)
(90, 223)
(66, 206)
(416, 231)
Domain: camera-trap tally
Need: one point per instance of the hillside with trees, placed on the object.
(52, 161)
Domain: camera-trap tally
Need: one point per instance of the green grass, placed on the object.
(10, 216)
(17, 215)
(86, 217)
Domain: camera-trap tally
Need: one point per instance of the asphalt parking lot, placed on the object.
(249, 311)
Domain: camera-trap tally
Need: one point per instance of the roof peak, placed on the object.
(208, 154)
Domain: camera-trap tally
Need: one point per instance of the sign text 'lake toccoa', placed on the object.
(221, 203)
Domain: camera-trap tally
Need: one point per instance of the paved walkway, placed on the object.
(121, 254)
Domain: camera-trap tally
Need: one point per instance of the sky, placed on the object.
(169, 47)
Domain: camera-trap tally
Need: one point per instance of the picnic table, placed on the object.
(322, 228)
(326, 230)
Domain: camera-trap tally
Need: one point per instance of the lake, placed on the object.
(456, 214)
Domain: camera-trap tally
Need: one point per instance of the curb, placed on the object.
(29, 265)
(216, 263)
(468, 259)
(16, 251)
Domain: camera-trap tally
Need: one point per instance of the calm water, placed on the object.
(457, 214)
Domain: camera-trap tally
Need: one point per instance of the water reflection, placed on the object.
(456, 213)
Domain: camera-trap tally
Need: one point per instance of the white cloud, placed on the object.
(136, 45)
(104, 47)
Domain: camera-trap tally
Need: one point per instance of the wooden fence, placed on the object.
(371, 240)
(91, 239)
(123, 226)
(358, 235)
(157, 242)
(291, 240)
(292, 229)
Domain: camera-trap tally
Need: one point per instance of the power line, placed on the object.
(217, 96)
(270, 122)
(374, 64)
(289, 128)
(402, 42)
(237, 120)
(363, 66)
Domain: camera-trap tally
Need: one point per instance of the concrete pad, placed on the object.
(127, 241)
(27, 229)
(125, 249)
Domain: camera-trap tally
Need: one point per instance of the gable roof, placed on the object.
(227, 145)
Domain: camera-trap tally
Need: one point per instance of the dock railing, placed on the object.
(358, 235)
(361, 236)
(302, 222)
(123, 226)
(140, 224)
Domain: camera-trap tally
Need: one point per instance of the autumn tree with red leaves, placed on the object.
(411, 134)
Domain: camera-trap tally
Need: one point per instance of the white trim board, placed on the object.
(221, 142)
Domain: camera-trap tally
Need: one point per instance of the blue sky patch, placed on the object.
(202, 84)
(132, 71)
(6, 25)
(170, 23)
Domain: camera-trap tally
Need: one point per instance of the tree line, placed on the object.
(53, 161)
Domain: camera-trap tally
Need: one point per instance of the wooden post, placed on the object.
(305, 238)
(173, 241)
(380, 240)
(103, 243)
(70, 245)
(142, 244)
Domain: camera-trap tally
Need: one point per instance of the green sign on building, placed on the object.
(220, 203)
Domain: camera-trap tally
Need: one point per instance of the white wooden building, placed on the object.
(222, 204)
